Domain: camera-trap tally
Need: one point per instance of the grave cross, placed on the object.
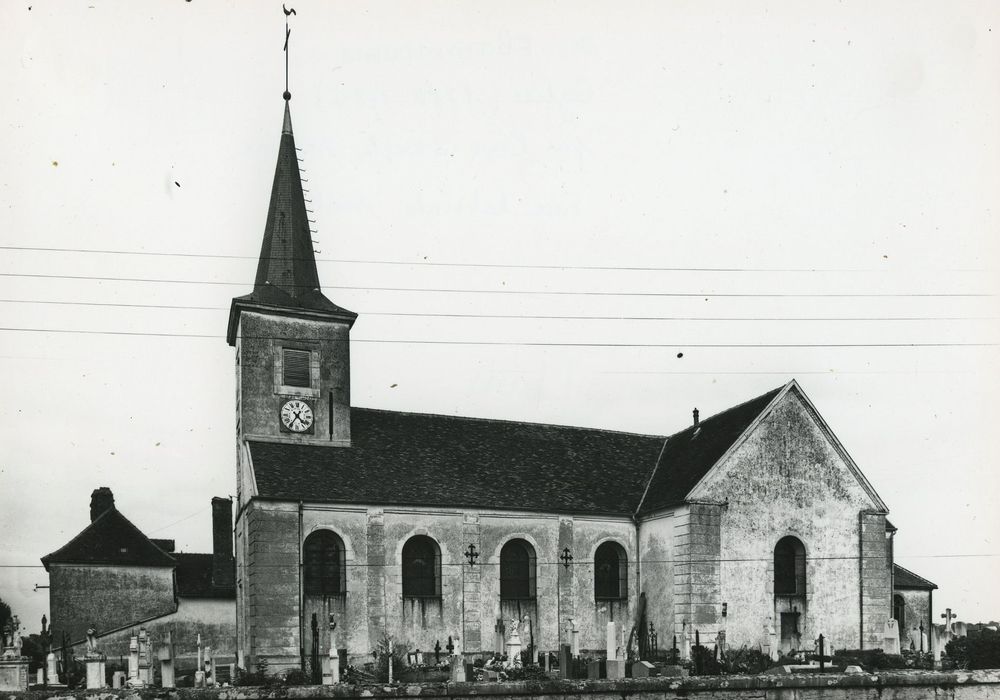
(450, 646)
(566, 557)
(948, 616)
(472, 555)
(437, 651)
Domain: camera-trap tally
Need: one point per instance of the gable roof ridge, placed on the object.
(723, 412)
(781, 392)
(851, 464)
(80, 534)
(48, 557)
(508, 421)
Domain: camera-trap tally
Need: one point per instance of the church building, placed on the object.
(754, 523)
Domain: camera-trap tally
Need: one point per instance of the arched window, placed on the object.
(899, 611)
(610, 572)
(517, 571)
(323, 564)
(421, 568)
(789, 567)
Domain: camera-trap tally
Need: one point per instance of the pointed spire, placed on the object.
(286, 272)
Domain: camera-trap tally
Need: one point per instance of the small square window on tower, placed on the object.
(295, 368)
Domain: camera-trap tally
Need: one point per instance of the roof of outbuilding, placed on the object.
(194, 577)
(904, 578)
(110, 539)
(689, 454)
(433, 460)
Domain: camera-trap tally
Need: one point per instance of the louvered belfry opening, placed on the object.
(295, 367)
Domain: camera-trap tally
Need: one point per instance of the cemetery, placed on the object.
(632, 664)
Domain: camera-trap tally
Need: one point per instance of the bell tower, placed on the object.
(292, 343)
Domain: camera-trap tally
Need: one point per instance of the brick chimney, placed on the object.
(223, 566)
(100, 500)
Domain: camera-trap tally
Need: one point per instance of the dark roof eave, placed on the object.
(240, 304)
(423, 504)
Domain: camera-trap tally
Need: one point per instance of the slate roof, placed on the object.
(689, 454)
(432, 460)
(286, 272)
(110, 539)
(904, 578)
(194, 577)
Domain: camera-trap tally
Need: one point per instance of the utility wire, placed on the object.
(428, 263)
(407, 341)
(532, 316)
(447, 290)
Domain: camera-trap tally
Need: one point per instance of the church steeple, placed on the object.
(287, 277)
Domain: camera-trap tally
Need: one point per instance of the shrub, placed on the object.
(744, 660)
(703, 661)
(978, 651)
(869, 659)
(387, 648)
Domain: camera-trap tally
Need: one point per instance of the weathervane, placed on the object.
(287, 95)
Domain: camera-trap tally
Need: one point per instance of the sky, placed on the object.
(628, 209)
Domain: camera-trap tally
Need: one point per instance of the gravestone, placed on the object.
(199, 674)
(40, 676)
(53, 669)
(615, 668)
(891, 644)
(514, 645)
(643, 669)
(457, 669)
(13, 668)
(166, 657)
(145, 659)
(614, 650)
(595, 669)
(118, 680)
(133, 660)
(565, 661)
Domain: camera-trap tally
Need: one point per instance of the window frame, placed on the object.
(522, 583)
(620, 575)
(338, 566)
(415, 586)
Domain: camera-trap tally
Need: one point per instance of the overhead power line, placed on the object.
(545, 292)
(429, 263)
(414, 341)
(529, 316)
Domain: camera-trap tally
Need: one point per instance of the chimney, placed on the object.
(100, 500)
(223, 566)
(694, 413)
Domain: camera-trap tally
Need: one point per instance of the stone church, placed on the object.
(754, 522)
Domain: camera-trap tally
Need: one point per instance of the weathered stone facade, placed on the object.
(81, 595)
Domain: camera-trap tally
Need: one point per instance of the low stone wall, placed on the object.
(896, 685)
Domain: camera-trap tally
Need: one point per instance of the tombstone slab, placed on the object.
(615, 668)
(891, 643)
(565, 661)
(457, 669)
(53, 669)
(14, 673)
(118, 680)
(596, 670)
(643, 669)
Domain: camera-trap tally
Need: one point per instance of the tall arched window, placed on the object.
(517, 571)
(324, 572)
(899, 611)
(789, 567)
(421, 568)
(610, 572)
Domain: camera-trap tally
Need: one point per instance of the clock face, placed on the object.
(296, 415)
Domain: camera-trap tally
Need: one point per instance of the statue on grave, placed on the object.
(91, 641)
(514, 625)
